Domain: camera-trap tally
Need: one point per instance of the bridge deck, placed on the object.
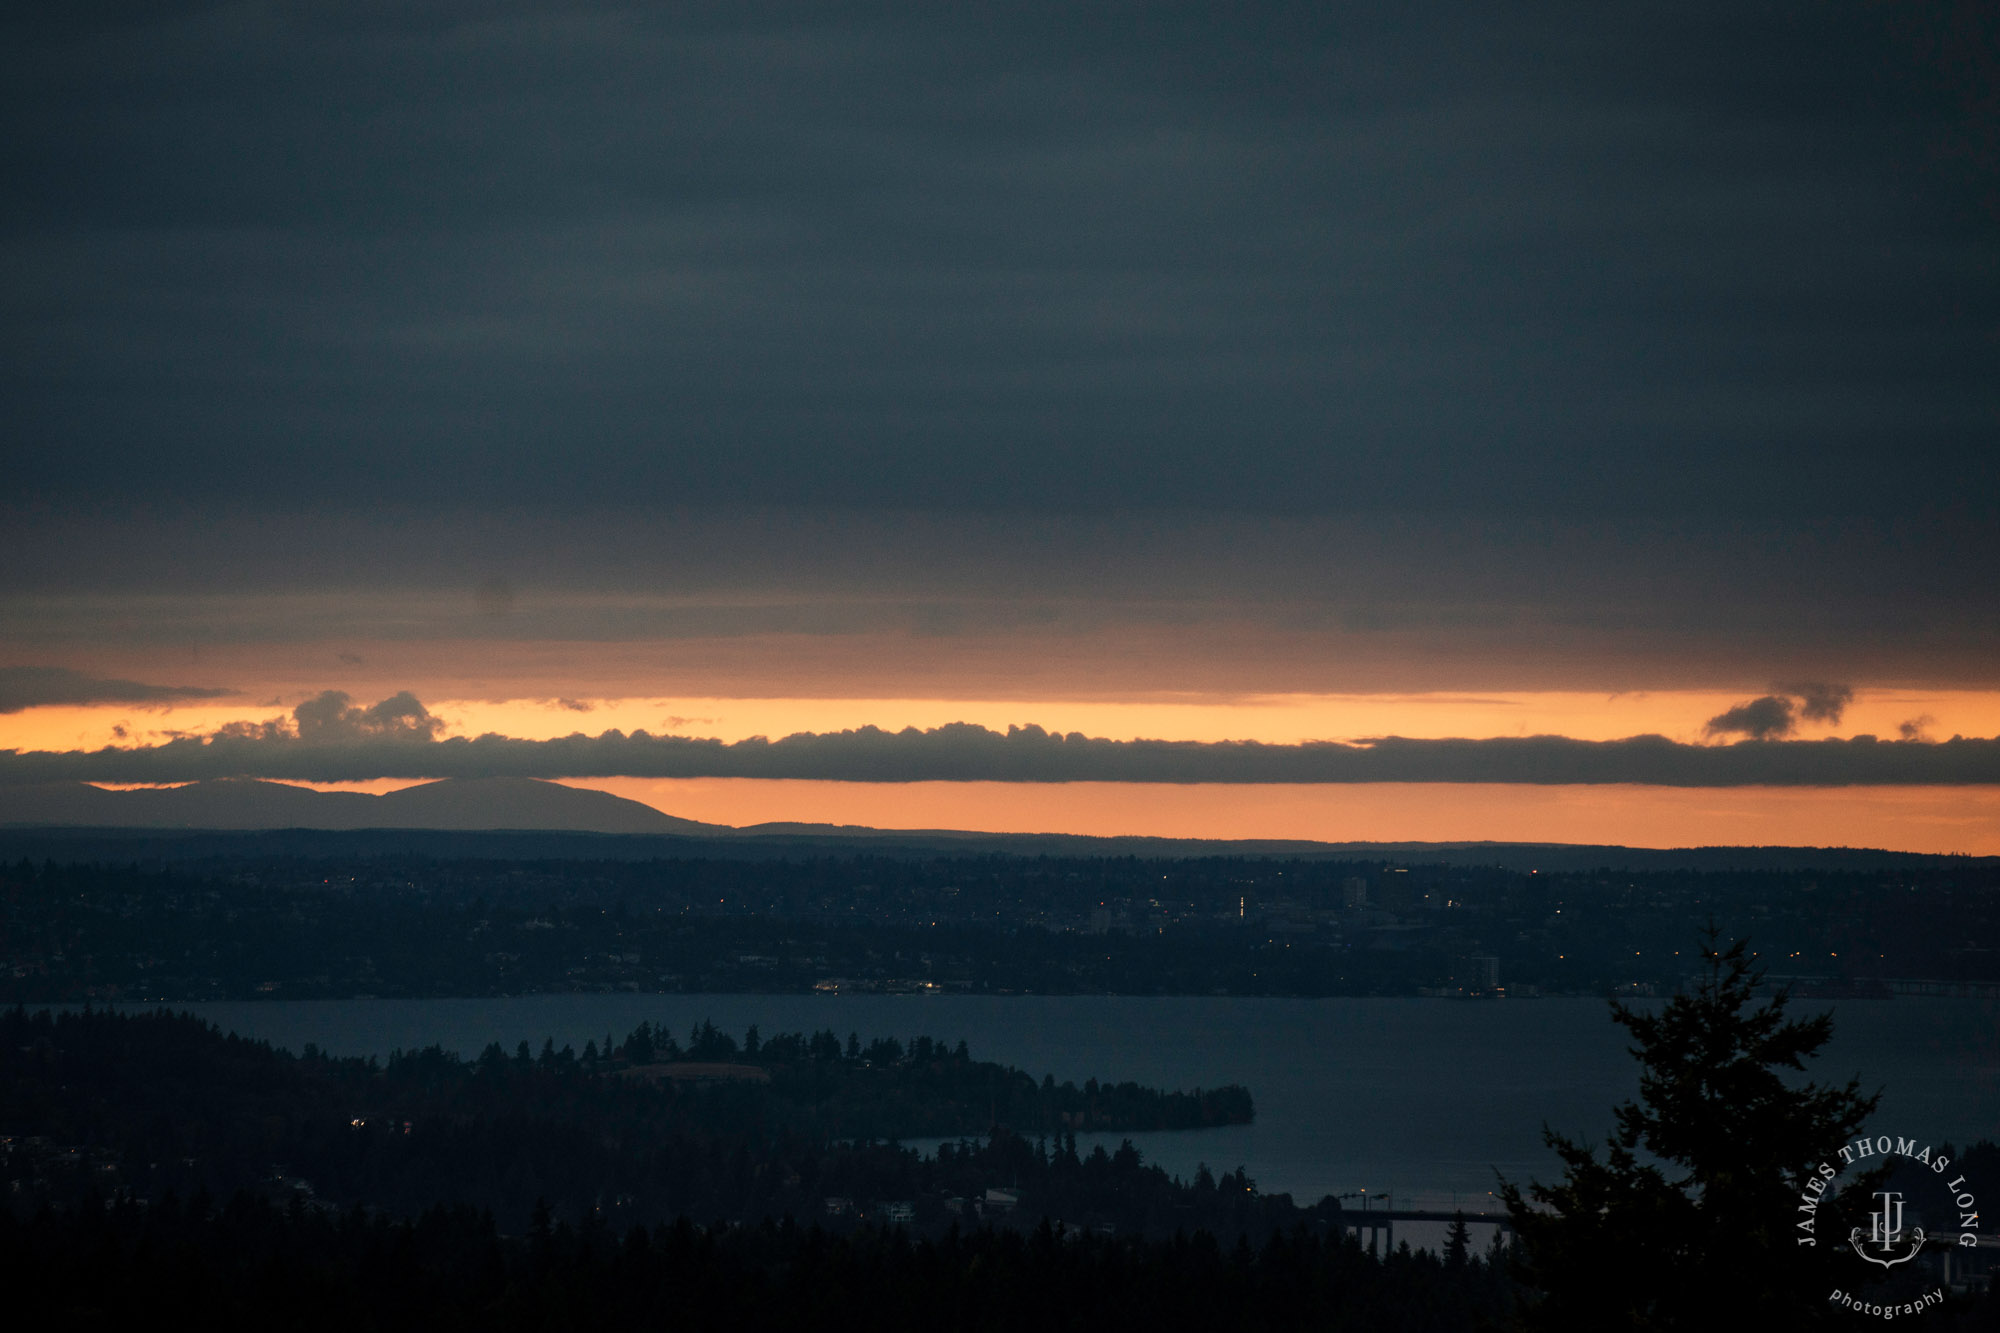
(1357, 1217)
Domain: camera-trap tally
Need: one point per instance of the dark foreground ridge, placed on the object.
(254, 1260)
(151, 1159)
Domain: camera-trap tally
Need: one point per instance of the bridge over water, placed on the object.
(1370, 1224)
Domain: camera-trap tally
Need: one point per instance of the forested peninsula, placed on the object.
(644, 1128)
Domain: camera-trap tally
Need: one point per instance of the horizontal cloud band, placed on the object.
(24, 687)
(962, 752)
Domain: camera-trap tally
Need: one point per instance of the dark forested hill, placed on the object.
(153, 1163)
(646, 1130)
(254, 1263)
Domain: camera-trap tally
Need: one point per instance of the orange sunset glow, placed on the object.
(1274, 719)
(1944, 820)
(1954, 821)
(1912, 818)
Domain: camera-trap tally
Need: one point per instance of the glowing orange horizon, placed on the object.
(1271, 718)
(1923, 819)
(1961, 820)
(1941, 820)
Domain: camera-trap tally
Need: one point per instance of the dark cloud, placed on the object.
(1760, 719)
(1917, 728)
(41, 687)
(331, 718)
(1820, 702)
(392, 740)
(1778, 715)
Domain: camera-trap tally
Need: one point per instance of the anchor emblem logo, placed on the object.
(1885, 1233)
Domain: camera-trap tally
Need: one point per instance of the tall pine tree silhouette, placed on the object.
(1689, 1216)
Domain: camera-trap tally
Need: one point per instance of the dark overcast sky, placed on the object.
(1573, 259)
(1607, 346)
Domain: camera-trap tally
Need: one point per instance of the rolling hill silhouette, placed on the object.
(459, 804)
(533, 818)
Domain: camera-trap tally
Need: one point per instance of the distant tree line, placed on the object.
(886, 1090)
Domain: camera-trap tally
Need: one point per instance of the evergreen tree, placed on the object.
(1690, 1211)
(1457, 1242)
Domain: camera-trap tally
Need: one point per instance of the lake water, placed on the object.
(1424, 1099)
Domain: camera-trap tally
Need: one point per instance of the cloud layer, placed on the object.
(1681, 258)
(329, 739)
(1451, 345)
(23, 687)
